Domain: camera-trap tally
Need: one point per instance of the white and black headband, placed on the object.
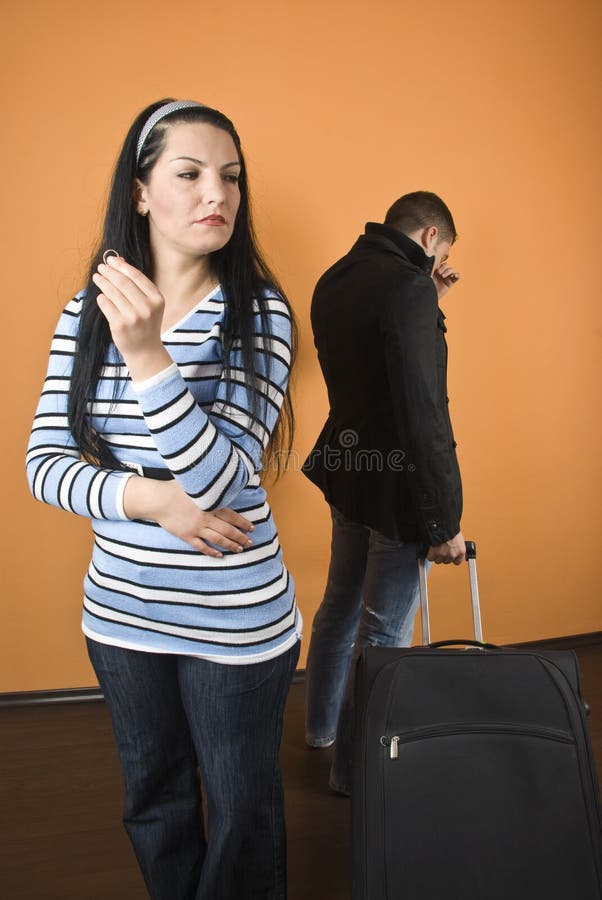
(159, 114)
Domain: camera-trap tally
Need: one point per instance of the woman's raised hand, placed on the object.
(133, 307)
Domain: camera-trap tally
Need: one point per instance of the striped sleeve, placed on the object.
(55, 471)
(215, 455)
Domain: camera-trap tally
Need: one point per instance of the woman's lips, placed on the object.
(211, 220)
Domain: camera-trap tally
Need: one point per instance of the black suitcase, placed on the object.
(473, 774)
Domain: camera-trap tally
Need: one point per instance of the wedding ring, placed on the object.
(108, 253)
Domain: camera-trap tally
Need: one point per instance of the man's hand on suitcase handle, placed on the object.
(453, 551)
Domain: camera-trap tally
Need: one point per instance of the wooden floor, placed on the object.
(60, 834)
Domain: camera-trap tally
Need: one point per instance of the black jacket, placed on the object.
(386, 455)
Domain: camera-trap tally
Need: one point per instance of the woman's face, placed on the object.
(192, 196)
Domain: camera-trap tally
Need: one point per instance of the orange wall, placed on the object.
(342, 107)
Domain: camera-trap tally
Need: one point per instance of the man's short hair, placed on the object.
(422, 209)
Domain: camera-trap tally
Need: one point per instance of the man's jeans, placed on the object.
(370, 599)
(173, 715)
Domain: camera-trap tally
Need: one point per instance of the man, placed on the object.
(385, 459)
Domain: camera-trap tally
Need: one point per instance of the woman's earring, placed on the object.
(143, 212)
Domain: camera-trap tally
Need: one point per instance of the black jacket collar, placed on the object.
(409, 248)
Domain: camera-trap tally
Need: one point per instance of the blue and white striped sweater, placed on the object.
(145, 588)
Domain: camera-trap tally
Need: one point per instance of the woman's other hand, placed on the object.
(133, 307)
(166, 503)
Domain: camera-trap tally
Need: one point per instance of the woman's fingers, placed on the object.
(204, 548)
(109, 292)
(231, 525)
(124, 284)
(235, 541)
(209, 529)
(234, 518)
(133, 307)
(226, 528)
(113, 282)
(220, 541)
(169, 506)
(118, 266)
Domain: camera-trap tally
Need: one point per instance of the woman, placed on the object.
(166, 380)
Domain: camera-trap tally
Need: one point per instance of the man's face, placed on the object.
(434, 245)
(441, 253)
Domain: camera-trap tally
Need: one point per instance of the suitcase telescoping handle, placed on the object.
(471, 558)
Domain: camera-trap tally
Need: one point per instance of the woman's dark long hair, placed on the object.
(240, 267)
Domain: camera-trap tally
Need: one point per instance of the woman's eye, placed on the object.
(232, 179)
(190, 175)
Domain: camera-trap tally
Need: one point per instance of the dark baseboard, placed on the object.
(84, 695)
(41, 698)
(73, 695)
(571, 642)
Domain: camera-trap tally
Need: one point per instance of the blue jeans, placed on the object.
(371, 599)
(174, 716)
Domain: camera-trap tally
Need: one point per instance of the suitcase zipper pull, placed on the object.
(392, 744)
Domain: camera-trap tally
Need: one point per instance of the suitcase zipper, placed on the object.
(392, 744)
(419, 734)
